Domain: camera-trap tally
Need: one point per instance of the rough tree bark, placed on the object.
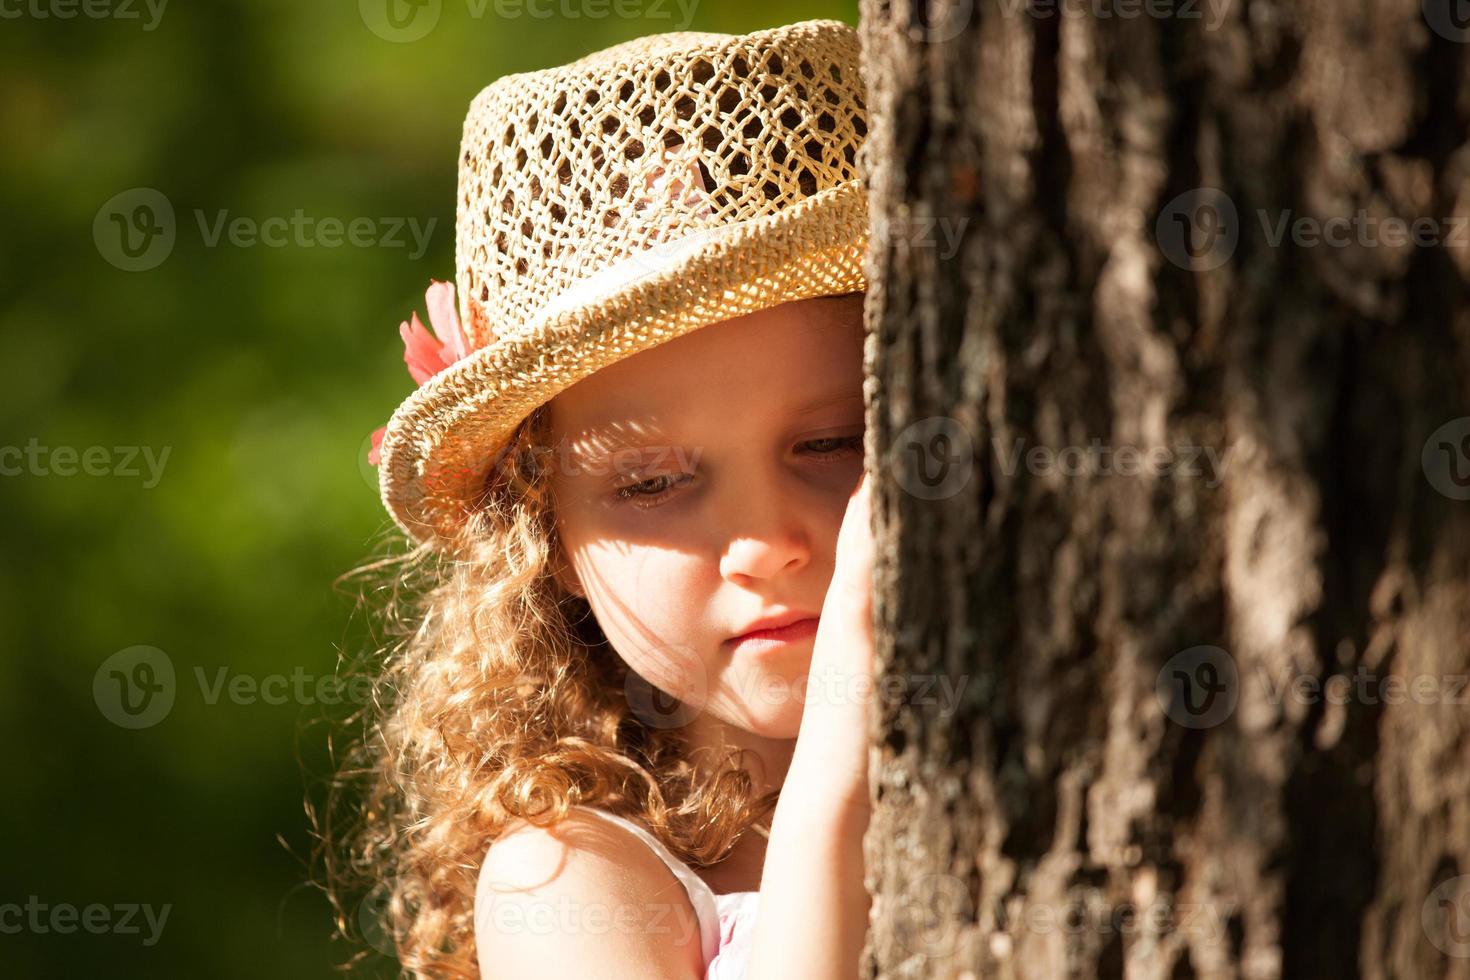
(1177, 750)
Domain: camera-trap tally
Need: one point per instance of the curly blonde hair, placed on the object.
(497, 697)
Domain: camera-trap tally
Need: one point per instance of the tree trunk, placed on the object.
(1174, 494)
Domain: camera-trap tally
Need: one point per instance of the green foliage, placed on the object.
(260, 370)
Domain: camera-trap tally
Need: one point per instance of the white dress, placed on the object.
(726, 922)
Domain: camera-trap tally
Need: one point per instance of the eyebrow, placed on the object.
(828, 400)
(608, 445)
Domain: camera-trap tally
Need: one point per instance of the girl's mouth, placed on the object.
(757, 640)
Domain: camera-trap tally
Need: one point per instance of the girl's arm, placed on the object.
(813, 912)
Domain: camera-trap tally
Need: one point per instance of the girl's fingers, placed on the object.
(854, 562)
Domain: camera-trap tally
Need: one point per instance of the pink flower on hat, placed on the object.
(425, 353)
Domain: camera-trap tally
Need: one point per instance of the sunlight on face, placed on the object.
(700, 485)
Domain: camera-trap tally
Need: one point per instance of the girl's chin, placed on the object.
(767, 720)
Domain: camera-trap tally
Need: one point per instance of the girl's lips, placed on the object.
(802, 629)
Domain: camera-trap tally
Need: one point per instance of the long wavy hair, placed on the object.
(495, 696)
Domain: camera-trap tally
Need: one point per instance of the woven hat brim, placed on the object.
(442, 440)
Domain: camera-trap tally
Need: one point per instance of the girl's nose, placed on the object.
(768, 539)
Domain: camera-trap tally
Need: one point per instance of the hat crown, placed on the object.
(613, 157)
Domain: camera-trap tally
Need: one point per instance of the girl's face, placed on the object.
(699, 486)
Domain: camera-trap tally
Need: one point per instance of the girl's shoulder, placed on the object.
(589, 893)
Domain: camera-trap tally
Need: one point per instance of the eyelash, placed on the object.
(631, 493)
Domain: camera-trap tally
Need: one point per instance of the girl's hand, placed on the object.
(832, 744)
(850, 594)
(814, 908)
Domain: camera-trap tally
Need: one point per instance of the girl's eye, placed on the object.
(835, 445)
(650, 491)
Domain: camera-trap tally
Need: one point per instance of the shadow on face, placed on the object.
(701, 484)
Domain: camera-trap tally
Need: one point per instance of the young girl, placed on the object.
(624, 732)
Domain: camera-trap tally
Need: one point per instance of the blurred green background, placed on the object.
(259, 367)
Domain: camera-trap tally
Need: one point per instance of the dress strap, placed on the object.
(701, 896)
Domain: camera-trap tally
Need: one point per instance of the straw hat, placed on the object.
(620, 201)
